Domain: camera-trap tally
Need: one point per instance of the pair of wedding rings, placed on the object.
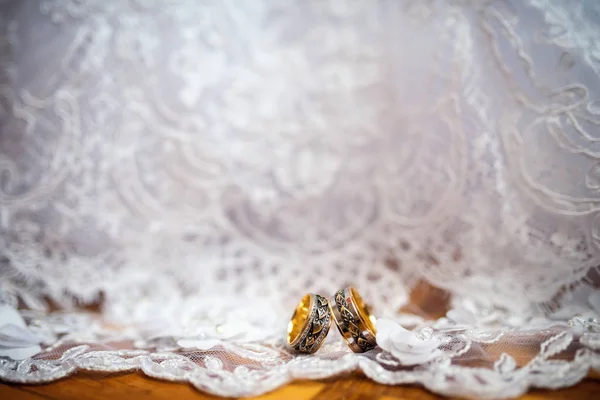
(312, 318)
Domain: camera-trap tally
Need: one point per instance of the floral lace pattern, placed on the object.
(183, 161)
(468, 362)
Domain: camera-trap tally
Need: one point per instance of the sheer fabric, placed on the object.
(202, 165)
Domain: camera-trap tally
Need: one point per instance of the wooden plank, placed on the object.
(96, 386)
(588, 389)
(296, 391)
(131, 386)
(361, 388)
(15, 392)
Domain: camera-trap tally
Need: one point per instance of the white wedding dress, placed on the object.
(200, 165)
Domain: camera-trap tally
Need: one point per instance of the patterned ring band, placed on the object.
(353, 319)
(310, 324)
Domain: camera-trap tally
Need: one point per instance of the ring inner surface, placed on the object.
(298, 319)
(366, 316)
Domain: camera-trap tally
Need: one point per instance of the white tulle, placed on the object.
(16, 341)
(200, 166)
(408, 347)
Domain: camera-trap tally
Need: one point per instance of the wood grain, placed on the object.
(135, 385)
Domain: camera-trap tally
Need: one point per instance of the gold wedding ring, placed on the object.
(353, 319)
(310, 324)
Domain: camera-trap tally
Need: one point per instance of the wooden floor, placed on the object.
(133, 386)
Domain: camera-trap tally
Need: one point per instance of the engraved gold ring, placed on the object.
(310, 324)
(353, 319)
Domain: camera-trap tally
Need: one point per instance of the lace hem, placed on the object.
(473, 362)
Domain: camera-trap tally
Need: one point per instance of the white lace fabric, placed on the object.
(470, 362)
(201, 166)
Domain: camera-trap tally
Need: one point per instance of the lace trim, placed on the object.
(472, 362)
